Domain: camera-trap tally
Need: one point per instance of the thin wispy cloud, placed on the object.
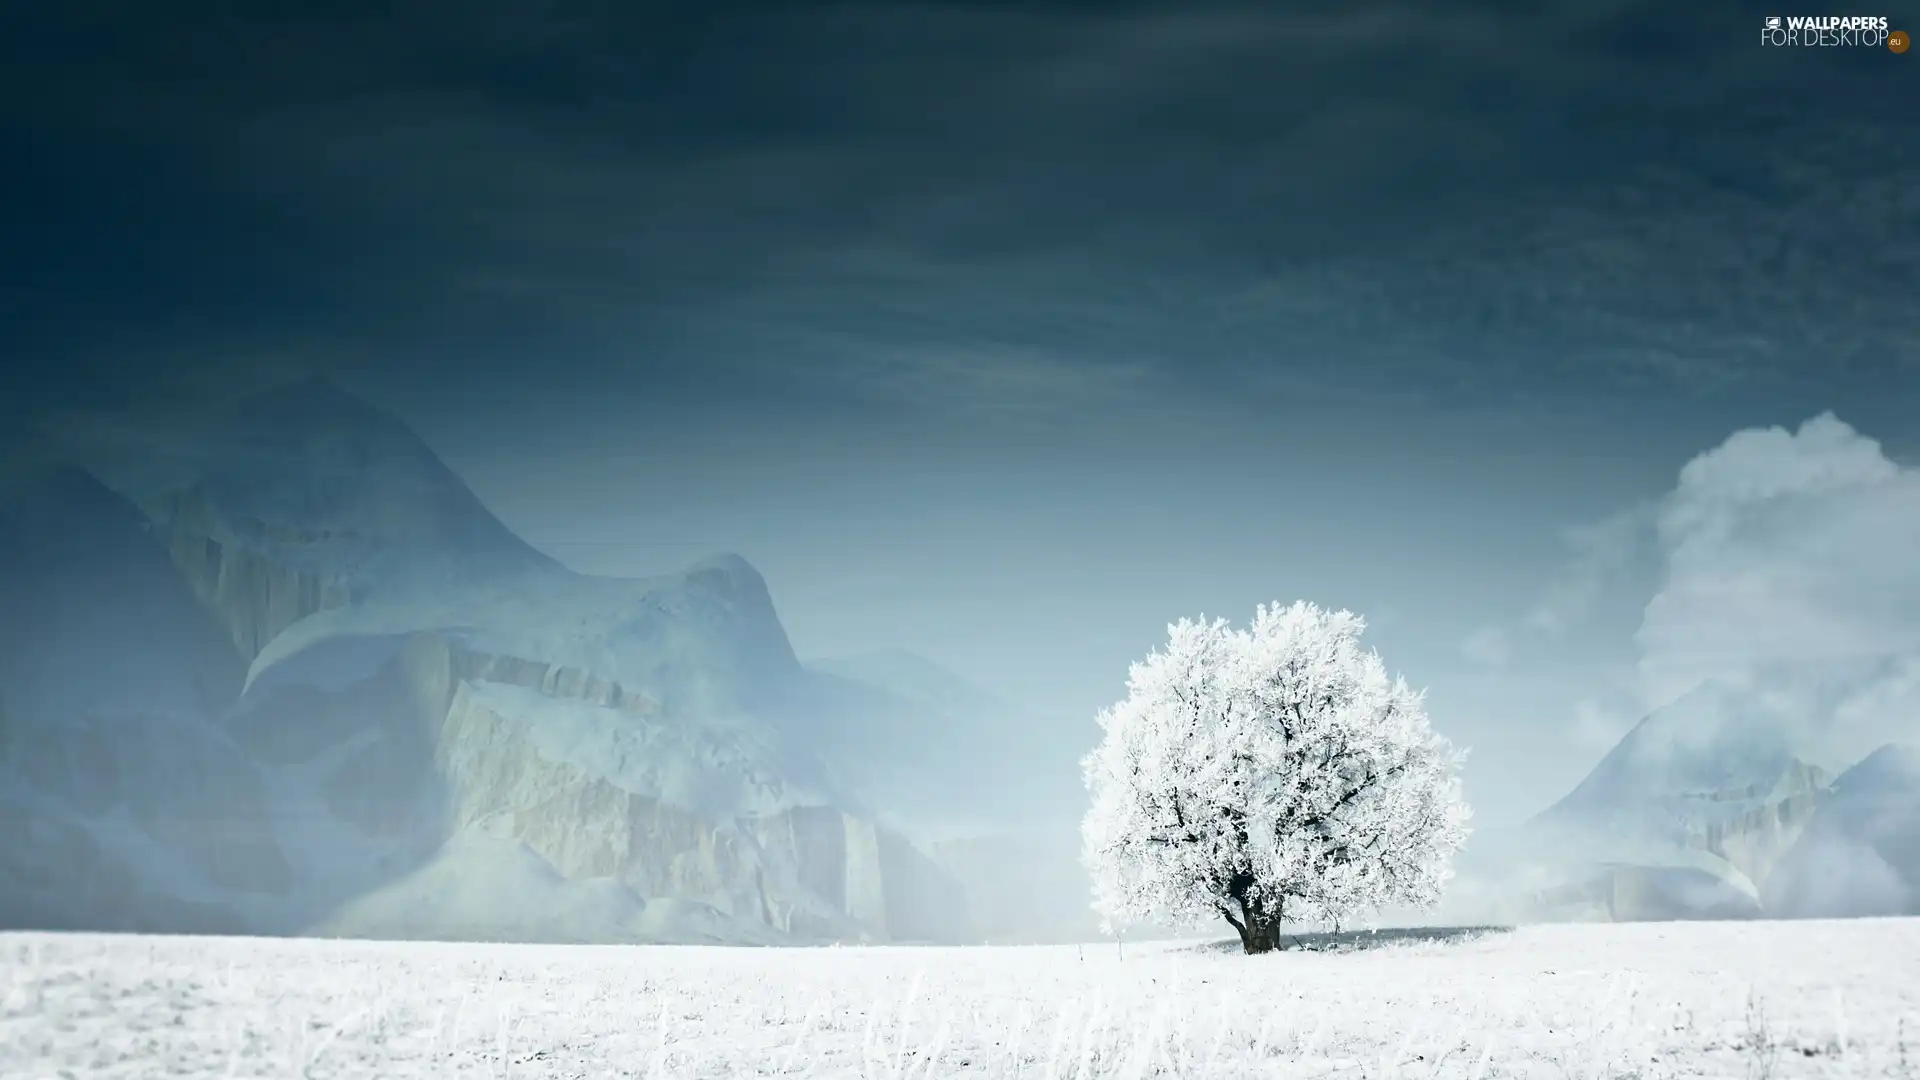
(989, 377)
(1600, 555)
(1489, 647)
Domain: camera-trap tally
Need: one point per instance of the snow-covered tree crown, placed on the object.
(1275, 768)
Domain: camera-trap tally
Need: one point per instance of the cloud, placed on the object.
(1600, 556)
(1598, 728)
(1784, 570)
(1603, 558)
(1489, 647)
(1783, 547)
(1790, 572)
(1503, 212)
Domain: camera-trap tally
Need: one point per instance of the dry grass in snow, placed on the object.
(1756, 1001)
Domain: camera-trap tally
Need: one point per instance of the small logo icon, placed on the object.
(1773, 22)
(1898, 41)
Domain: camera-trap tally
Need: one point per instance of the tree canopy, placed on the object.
(1268, 772)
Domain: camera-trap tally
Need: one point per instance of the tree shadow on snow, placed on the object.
(1362, 940)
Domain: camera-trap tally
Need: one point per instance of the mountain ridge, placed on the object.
(415, 672)
(1708, 807)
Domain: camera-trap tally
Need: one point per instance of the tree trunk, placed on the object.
(1258, 924)
(1260, 935)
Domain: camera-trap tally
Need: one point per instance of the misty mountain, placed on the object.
(313, 474)
(410, 702)
(1711, 746)
(122, 802)
(1709, 807)
(274, 669)
(1860, 854)
(1714, 764)
(85, 582)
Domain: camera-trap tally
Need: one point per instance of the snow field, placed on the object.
(1753, 1000)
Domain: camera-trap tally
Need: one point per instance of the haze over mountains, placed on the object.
(1709, 808)
(369, 696)
(276, 669)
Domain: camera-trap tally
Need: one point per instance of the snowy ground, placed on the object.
(1751, 1000)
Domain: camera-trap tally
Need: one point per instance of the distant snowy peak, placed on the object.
(715, 617)
(1892, 769)
(303, 516)
(307, 473)
(1713, 747)
(733, 581)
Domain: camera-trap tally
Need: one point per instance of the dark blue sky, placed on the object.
(1005, 332)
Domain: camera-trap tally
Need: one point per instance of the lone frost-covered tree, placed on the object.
(1267, 773)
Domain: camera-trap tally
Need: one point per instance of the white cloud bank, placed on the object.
(1791, 569)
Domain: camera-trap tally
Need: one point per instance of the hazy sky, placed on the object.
(1008, 332)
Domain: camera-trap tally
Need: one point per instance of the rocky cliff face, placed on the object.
(1859, 854)
(1752, 828)
(541, 753)
(253, 596)
(588, 825)
(599, 784)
